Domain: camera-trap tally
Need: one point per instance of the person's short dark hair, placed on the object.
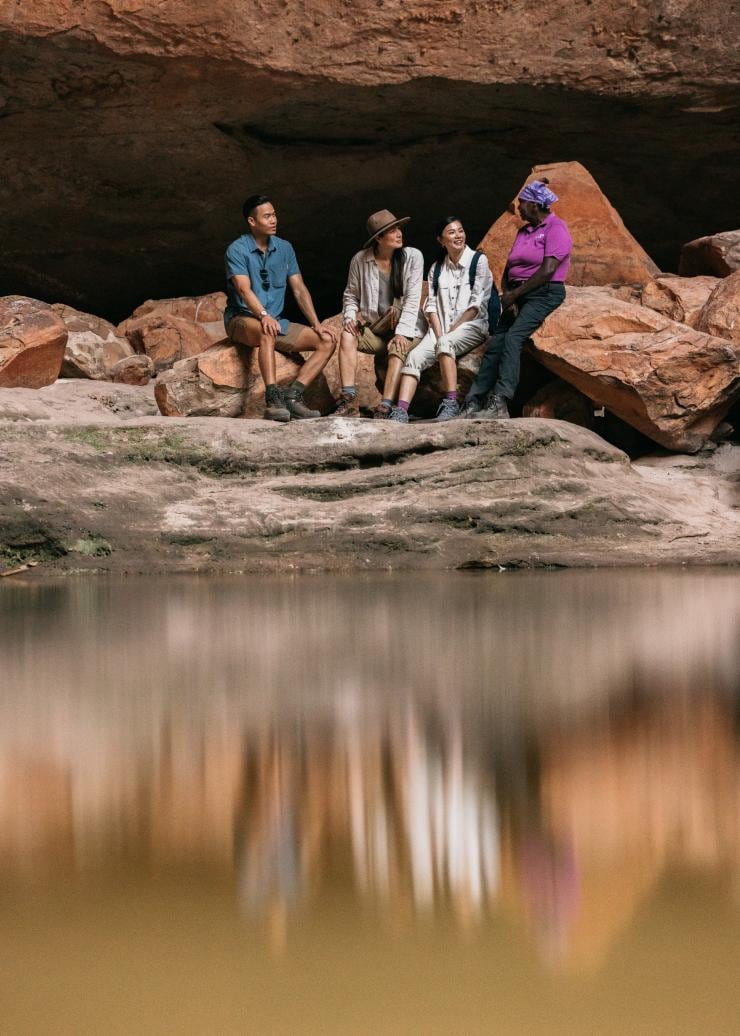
(253, 202)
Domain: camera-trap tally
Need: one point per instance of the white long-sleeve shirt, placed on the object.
(361, 293)
(454, 294)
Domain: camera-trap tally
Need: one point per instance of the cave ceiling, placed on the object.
(124, 167)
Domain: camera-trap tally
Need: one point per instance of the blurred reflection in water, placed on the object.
(542, 752)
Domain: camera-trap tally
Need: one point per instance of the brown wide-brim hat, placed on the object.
(381, 221)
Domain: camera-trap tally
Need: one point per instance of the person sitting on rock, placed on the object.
(380, 309)
(259, 266)
(532, 288)
(456, 308)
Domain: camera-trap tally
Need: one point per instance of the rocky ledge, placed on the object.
(92, 478)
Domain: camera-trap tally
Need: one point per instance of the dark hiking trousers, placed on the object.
(499, 369)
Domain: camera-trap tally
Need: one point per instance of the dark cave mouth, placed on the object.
(148, 195)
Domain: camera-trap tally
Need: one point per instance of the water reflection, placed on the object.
(541, 748)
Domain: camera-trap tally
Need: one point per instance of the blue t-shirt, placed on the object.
(268, 273)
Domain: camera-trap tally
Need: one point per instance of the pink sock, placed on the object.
(403, 405)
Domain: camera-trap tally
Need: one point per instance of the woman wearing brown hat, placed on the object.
(380, 308)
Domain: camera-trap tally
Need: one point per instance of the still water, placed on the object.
(458, 804)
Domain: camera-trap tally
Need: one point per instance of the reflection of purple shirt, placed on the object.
(532, 245)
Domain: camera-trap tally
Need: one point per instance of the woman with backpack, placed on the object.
(460, 287)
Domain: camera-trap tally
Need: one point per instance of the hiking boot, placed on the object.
(472, 407)
(399, 414)
(495, 408)
(296, 407)
(347, 406)
(275, 408)
(449, 409)
(382, 412)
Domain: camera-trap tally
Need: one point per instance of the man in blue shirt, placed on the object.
(259, 266)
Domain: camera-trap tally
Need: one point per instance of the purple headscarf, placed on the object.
(539, 193)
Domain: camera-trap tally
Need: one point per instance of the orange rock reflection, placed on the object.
(559, 808)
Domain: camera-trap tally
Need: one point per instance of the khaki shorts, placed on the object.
(370, 342)
(287, 343)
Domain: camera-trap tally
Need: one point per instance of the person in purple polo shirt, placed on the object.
(532, 288)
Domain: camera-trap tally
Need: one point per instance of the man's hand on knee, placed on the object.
(269, 325)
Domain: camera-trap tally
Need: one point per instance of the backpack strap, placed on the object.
(473, 267)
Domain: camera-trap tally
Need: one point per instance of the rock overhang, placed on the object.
(149, 127)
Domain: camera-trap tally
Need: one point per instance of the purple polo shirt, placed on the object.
(532, 245)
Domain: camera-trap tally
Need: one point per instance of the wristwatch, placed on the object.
(263, 313)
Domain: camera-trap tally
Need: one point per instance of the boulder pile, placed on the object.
(659, 351)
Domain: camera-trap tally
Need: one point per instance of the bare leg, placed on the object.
(393, 376)
(266, 358)
(248, 331)
(347, 358)
(321, 350)
(407, 391)
(448, 370)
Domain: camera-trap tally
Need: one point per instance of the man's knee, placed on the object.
(266, 342)
(325, 346)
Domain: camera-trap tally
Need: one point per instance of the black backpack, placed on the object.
(494, 303)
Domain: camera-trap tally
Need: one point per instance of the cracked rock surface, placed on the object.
(115, 489)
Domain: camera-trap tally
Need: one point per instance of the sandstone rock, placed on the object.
(562, 402)
(604, 251)
(678, 298)
(32, 341)
(225, 382)
(721, 313)
(355, 495)
(133, 370)
(185, 391)
(717, 255)
(166, 339)
(206, 310)
(77, 401)
(93, 347)
(669, 381)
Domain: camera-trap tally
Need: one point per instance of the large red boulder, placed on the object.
(604, 251)
(215, 389)
(225, 382)
(93, 346)
(669, 381)
(165, 338)
(32, 341)
(206, 310)
(721, 313)
(717, 255)
(679, 298)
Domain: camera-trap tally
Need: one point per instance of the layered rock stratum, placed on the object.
(90, 478)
